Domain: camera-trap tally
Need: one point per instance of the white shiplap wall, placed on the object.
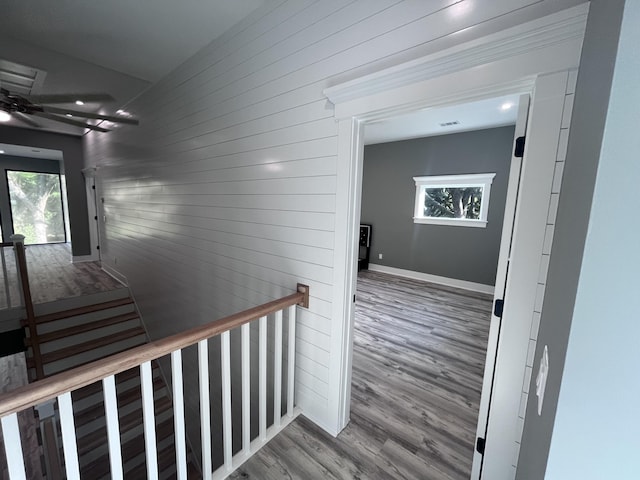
(224, 196)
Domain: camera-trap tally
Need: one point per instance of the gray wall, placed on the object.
(388, 197)
(8, 162)
(71, 147)
(574, 210)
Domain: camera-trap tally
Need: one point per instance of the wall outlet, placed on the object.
(379, 256)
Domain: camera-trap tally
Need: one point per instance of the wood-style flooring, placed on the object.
(419, 353)
(52, 276)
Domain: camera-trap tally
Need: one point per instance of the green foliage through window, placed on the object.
(36, 206)
(453, 202)
(461, 200)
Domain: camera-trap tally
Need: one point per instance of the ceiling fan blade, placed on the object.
(50, 116)
(71, 98)
(21, 117)
(77, 113)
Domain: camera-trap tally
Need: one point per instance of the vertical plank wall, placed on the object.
(224, 196)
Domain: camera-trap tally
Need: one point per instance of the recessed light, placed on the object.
(79, 102)
(1, 152)
(68, 115)
(506, 106)
(4, 116)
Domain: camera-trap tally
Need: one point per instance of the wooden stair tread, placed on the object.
(86, 327)
(88, 346)
(96, 410)
(166, 460)
(129, 421)
(100, 466)
(74, 312)
(96, 387)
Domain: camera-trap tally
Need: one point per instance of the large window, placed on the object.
(36, 206)
(461, 200)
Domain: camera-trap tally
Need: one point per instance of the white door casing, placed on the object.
(531, 58)
(515, 172)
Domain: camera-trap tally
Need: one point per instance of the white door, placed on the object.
(501, 277)
(90, 186)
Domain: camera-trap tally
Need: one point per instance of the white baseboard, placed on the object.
(84, 258)
(427, 277)
(115, 274)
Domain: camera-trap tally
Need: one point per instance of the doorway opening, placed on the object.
(36, 206)
(33, 196)
(424, 300)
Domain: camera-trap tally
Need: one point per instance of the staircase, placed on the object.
(80, 330)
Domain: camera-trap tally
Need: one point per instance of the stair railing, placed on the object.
(61, 385)
(11, 274)
(23, 278)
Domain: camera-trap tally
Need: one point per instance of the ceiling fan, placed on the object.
(22, 108)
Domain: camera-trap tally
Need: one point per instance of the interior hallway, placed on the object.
(418, 362)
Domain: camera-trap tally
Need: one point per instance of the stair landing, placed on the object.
(52, 275)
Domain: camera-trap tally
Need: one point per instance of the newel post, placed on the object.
(23, 276)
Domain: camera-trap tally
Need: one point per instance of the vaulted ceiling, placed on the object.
(118, 47)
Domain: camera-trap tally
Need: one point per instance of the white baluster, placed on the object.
(291, 381)
(225, 353)
(262, 371)
(246, 387)
(277, 367)
(113, 427)
(13, 447)
(178, 414)
(205, 412)
(148, 415)
(69, 443)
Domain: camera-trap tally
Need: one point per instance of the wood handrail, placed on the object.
(6, 244)
(23, 273)
(49, 388)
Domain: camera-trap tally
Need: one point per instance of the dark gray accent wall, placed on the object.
(8, 162)
(71, 147)
(388, 196)
(574, 208)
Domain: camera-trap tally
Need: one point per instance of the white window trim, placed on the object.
(483, 180)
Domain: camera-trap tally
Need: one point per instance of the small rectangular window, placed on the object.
(461, 200)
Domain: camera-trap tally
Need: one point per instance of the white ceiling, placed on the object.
(119, 47)
(142, 38)
(477, 115)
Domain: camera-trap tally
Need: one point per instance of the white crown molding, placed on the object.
(552, 30)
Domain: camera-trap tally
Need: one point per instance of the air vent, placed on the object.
(20, 79)
(450, 124)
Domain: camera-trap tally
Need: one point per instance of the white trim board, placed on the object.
(112, 272)
(427, 277)
(83, 258)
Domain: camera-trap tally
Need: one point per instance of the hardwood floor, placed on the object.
(418, 361)
(52, 276)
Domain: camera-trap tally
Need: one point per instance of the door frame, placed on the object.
(89, 175)
(533, 58)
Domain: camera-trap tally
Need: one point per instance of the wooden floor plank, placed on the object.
(52, 276)
(418, 360)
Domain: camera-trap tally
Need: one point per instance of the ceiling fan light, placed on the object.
(4, 116)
